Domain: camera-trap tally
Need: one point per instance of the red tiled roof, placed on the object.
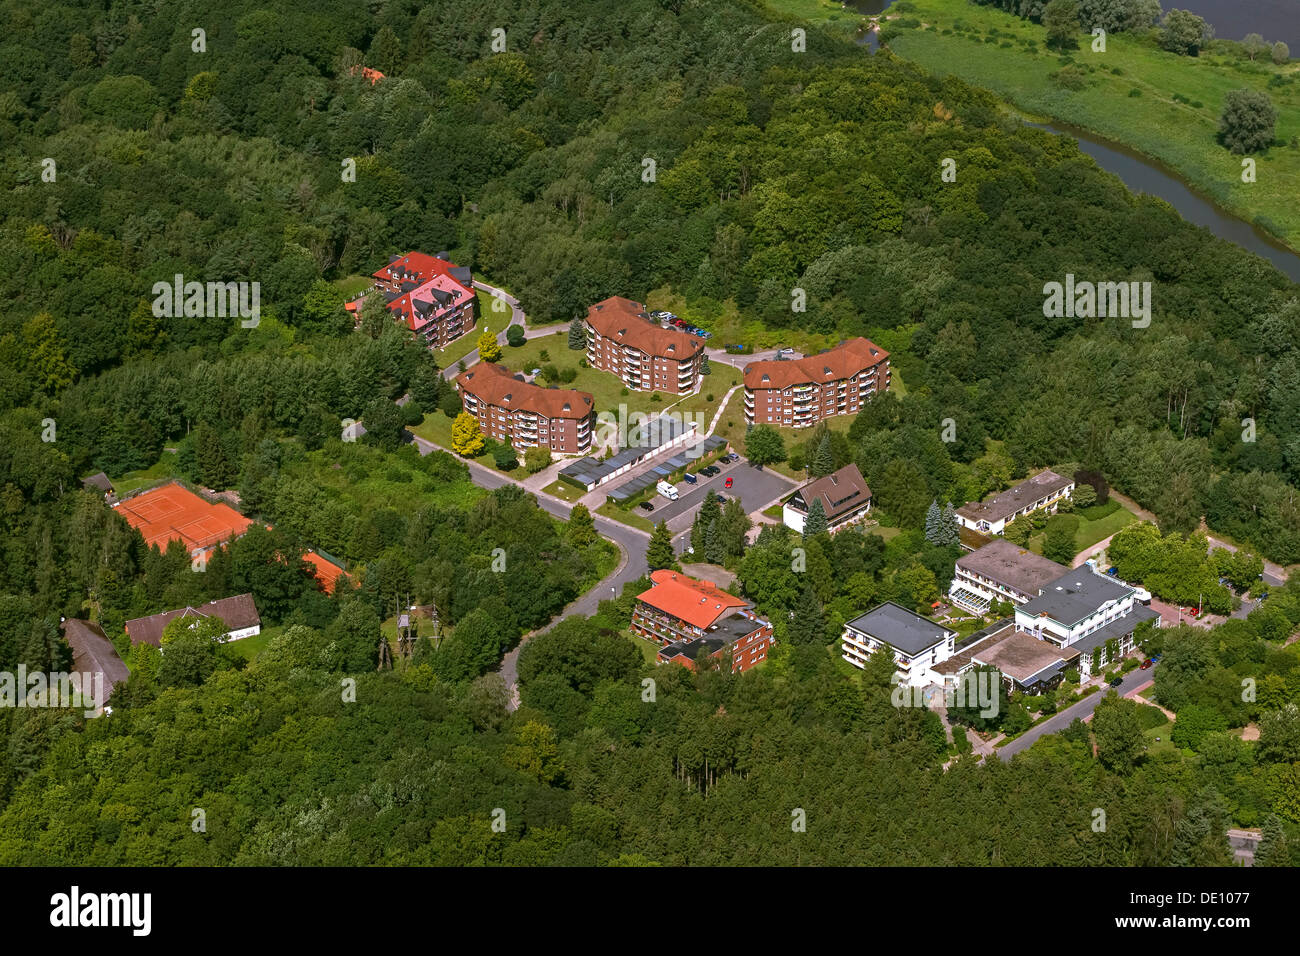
(624, 321)
(852, 357)
(491, 383)
(698, 603)
(374, 76)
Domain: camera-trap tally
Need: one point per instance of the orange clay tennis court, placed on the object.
(327, 573)
(173, 512)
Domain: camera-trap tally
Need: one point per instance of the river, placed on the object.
(1142, 175)
(1232, 19)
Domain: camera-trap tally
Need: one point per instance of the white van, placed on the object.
(667, 489)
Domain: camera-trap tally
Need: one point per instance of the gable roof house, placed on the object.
(99, 482)
(93, 653)
(843, 494)
(238, 613)
(430, 295)
(800, 393)
(527, 415)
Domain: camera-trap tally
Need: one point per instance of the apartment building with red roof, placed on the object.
(799, 393)
(430, 295)
(686, 616)
(622, 339)
(526, 415)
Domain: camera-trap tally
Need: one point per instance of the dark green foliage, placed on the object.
(1246, 125)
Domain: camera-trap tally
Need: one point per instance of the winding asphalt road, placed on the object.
(516, 318)
(1131, 682)
(632, 561)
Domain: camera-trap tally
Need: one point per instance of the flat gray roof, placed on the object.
(900, 628)
(1075, 595)
(1013, 566)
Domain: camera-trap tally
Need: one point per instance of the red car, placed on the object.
(1146, 663)
(727, 483)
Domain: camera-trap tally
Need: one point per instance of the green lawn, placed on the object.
(1090, 532)
(649, 649)
(487, 318)
(1163, 732)
(632, 519)
(607, 390)
(436, 428)
(816, 11)
(353, 285)
(250, 647)
(164, 467)
(1179, 133)
(564, 491)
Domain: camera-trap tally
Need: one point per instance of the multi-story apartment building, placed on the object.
(624, 340)
(1000, 571)
(917, 643)
(1043, 490)
(685, 616)
(432, 296)
(527, 415)
(802, 392)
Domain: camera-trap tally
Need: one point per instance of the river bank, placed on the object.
(1159, 105)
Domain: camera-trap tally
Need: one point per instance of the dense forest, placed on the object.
(776, 169)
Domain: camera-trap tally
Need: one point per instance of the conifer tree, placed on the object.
(815, 523)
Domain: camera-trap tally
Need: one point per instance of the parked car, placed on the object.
(646, 506)
(727, 483)
(732, 457)
(1116, 682)
(710, 470)
(689, 479)
(1154, 658)
(785, 352)
(1112, 571)
(1146, 663)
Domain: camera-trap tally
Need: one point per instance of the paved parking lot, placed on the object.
(754, 487)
